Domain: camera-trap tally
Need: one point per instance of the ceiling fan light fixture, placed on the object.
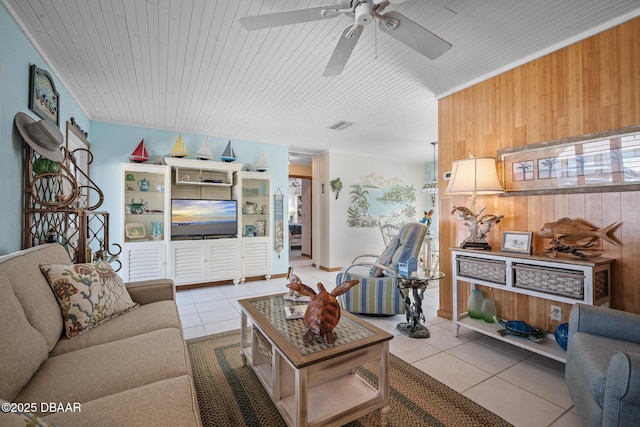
(364, 13)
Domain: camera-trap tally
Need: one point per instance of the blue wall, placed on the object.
(111, 145)
(16, 55)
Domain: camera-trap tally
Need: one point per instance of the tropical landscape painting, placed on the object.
(376, 199)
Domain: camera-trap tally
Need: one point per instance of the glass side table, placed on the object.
(415, 285)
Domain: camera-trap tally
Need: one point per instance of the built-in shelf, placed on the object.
(197, 172)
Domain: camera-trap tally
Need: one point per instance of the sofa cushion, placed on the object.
(89, 294)
(105, 369)
(32, 289)
(20, 418)
(22, 347)
(170, 402)
(146, 318)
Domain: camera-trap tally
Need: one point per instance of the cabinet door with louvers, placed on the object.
(143, 261)
(187, 262)
(223, 257)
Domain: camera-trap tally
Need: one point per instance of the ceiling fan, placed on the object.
(363, 12)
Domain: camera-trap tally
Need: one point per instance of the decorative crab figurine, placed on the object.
(323, 310)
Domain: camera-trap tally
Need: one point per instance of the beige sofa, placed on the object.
(132, 370)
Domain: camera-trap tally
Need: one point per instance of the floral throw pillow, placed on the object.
(88, 294)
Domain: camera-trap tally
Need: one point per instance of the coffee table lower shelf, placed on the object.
(329, 401)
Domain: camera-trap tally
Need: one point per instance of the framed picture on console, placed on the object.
(517, 241)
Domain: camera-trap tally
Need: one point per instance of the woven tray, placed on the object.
(554, 281)
(484, 269)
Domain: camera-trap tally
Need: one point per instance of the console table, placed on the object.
(566, 280)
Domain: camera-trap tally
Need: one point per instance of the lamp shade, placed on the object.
(475, 175)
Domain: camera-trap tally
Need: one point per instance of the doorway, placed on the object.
(299, 211)
(300, 199)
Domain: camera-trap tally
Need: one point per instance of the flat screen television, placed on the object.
(191, 218)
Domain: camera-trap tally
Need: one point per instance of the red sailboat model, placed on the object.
(140, 154)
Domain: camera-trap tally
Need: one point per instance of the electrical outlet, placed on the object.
(556, 313)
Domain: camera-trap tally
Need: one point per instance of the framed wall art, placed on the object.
(278, 214)
(598, 162)
(517, 241)
(44, 100)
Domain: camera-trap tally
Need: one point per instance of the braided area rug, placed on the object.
(230, 394)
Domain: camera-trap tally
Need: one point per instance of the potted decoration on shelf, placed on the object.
(43, 165)
(130, 179)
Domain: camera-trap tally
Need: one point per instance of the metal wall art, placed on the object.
(598, 162)
(44, 100)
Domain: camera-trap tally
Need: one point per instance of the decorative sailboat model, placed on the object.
(228, 155)
(204, 152)
(140, 154)
(179, 150)
(262, 165)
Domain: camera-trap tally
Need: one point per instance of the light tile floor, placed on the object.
(522, 387)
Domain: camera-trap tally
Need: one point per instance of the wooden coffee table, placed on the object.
(314, 384)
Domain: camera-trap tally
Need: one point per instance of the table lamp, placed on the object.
(475, 176)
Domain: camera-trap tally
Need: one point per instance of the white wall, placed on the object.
(339, 244)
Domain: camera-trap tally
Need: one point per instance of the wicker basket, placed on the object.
(484, 269)
(264, 348)
(567, 283)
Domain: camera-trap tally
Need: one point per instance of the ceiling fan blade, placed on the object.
(288, 17)
(414, 35)
(343, 51)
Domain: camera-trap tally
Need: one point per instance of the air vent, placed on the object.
(342, 125)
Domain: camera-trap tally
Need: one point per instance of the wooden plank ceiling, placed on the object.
(188, 65)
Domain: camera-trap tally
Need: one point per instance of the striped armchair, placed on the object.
(377, 293)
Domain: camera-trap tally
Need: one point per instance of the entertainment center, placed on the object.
(195, 221)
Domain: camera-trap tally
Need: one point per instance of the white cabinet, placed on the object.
(252, 190)
(148, 251)
(145, 211)
(256, 257)
(565, 280)
(143, 261)
(200, 261)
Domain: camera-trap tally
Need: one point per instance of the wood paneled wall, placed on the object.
(590, 86)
